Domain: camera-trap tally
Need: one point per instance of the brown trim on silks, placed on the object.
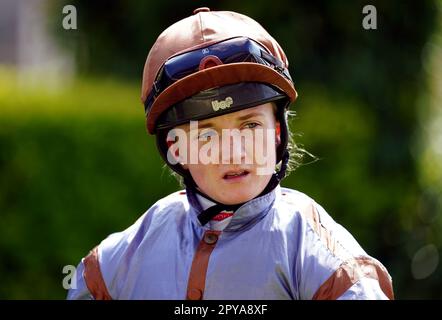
(197, 276)
(93, 277)
(314, 220)
(351, 272)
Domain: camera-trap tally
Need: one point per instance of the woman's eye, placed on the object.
(206, 134)
(251, 125)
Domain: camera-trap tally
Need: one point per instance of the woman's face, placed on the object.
(234, 155)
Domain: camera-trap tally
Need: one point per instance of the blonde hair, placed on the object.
(296, 151)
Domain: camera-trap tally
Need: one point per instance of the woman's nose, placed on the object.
(234, 147)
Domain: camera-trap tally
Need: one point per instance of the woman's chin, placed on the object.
(236, 197)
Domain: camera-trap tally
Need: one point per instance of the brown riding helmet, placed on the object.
(190, 38)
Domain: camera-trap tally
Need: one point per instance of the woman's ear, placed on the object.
(174, 151)
(278, 133)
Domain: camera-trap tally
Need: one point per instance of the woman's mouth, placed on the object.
(236, 175)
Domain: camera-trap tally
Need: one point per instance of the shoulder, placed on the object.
(165, 209)
(111, 258)
(294, 199)
(175, 199)
(329, 251)
(320, 225)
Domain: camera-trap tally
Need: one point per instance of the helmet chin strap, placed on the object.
(277, 176)
(207, 215)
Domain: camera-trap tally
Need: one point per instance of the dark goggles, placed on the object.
(234, 50)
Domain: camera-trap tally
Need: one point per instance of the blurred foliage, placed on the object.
(75, 165)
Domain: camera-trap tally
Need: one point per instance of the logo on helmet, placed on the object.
(223, 104)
